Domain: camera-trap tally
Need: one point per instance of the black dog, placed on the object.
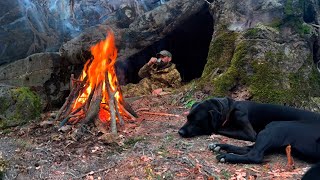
(303, 136)
(237, 119)
(313, 173)
(277, 126)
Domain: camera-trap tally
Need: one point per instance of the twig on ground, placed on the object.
(94, 172)
(143, 109)
(160, 114)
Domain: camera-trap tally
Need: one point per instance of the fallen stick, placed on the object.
(143, 109)
(118, 113)
(112, 107)
(127, 113)
(94, 105)
(160, 114)
(94, 172)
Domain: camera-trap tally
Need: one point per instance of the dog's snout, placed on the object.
(182, 132)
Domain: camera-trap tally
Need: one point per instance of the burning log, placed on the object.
(96, 95)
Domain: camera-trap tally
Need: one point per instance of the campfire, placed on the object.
(96, 95)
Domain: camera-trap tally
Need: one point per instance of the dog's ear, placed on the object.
(215, 118)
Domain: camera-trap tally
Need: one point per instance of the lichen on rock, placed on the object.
(20, 105)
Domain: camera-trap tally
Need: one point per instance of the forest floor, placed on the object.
(146, 148)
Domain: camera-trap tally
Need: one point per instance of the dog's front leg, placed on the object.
(235, 133)
(249, 158)
(243, 121)
(215, 147)
(267, 139)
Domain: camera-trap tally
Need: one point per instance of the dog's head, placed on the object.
(205, 117)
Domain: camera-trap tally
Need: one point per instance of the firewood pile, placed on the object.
(96, 95)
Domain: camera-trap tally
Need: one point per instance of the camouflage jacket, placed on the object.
(165, 77)
(153, 78)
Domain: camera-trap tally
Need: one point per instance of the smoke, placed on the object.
(31, 11)
(67, 22)
(70, 17)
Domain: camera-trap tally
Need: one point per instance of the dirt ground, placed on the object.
(146, 148)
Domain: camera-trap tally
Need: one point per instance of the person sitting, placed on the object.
(159, 75)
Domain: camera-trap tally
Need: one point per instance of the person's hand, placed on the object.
(157, 92)
(152, 61)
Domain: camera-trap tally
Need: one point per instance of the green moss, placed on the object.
(251, 33)
(265, 81)
(26, 100)
(303, 29)
(276, 23)
(229, 79)
(305, 85)
(21, 107)
(220, 53)
(288, 7)
(265, 84)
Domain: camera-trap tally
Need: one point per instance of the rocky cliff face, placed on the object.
(38, 25)
(265, 48)
(32, 26)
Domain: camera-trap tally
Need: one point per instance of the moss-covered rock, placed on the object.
(274, 70)
(219, 56)
(20, 105)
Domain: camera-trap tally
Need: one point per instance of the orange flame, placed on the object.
(98, 70)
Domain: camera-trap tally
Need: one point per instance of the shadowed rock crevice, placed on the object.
(188, 43)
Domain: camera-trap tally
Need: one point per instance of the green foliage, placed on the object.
(297, 24)
(189, 103)
(225, 174)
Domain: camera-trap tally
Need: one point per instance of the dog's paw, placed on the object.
(214, 147)
(221, 158)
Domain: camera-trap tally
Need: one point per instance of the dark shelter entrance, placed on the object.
(189, 45)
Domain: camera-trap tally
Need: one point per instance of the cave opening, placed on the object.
(189, 45)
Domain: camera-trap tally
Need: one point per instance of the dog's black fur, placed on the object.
(237, 119)
(313, 173)
(270, 126)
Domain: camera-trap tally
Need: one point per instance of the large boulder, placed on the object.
(18, 106)
(33, 26)
(47, 73)
(271, 56)
(133, 33)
